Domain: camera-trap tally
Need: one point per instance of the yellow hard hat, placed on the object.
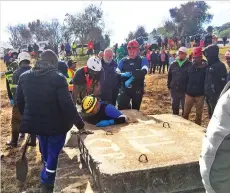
(88, 103)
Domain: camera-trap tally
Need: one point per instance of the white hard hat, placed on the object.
(23, 56)
(94, 63)
(183, 49)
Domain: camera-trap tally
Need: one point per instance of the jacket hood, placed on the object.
(212, 54)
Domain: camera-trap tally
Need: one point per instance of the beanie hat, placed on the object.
(50, 57)
(197, 51)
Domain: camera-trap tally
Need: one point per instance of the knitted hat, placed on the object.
(197, 51)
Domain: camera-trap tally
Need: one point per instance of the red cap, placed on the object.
(197, 52)
(133, 43)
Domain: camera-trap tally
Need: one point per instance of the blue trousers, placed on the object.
(50, 147)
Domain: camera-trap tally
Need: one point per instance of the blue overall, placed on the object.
(50, 147)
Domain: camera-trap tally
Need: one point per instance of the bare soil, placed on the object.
(156, 100)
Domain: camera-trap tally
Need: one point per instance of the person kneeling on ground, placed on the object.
(100, 113)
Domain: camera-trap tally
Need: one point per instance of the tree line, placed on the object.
(186, 20)
(80, 27)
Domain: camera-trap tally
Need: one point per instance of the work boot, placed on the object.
(32, 141)
(47, 188)
(14, 138)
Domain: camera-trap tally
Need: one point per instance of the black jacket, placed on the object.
(216, 73)
(196, 78)
(154, 58)
(178, 76)
(17, 73)
(45, 103)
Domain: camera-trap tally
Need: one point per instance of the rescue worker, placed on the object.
(216, 77)
(177, 80)
(100, 113)
(86, 80)
(9, 80)
(48, 111)
(24, 65)
(74, 49)
(227, 58)
(132, 70)
(109, 78)
(215, 156)
(72, 64)
(195, 86)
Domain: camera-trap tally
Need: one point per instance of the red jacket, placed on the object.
(90, 45)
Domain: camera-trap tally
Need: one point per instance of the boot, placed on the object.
(14, 138)
(32, 141)
(47, 188)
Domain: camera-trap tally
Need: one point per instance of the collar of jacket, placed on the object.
(180, 63)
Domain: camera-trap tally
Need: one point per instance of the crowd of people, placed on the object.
(44, 97)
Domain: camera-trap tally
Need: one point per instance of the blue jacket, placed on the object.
(47, 108)
(109, 77)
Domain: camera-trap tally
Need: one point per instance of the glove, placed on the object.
(12, 102)
(80, 125)
(105, 123)
(126, 74)
(128, 82)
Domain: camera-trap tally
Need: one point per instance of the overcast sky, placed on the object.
(120, 16)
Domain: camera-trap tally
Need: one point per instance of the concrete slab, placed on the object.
(116, 156)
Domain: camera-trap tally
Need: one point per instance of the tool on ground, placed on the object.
(22, 163)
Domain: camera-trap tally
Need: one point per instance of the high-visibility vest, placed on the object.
(70, 73)
(74, 46)
(9, 77)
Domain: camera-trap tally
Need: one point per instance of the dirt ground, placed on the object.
(156, 100)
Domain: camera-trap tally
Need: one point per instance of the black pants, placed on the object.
(162, 65)
(109, 95)
(152, 68)
(211, 102)
(125, 95)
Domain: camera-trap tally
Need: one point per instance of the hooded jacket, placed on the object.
(44, 100)
(215, 156)
(216, 73)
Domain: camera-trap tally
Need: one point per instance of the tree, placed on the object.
(39, 30)
(55, 35)
(225, 33)
(19, 34)
(82, 24)
(131, 36)
(189, 18)
(140, 32)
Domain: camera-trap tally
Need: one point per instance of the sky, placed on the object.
(120, 17)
